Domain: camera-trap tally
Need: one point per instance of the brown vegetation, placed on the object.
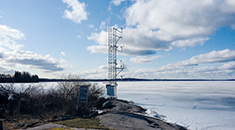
(34, 101)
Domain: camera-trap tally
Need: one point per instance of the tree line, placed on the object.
(19, 77)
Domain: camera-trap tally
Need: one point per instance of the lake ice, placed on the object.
(198, 105)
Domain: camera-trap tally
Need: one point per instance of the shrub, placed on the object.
(35, 100)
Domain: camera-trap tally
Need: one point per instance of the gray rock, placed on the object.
(107, 105)
(63, 117)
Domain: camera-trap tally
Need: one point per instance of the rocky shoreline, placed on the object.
(122, 115)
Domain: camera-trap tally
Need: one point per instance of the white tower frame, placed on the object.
(114, 35)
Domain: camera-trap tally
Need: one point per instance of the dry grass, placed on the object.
(83, 123)
(11, 123)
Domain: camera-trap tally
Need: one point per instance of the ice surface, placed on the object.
(198, 105)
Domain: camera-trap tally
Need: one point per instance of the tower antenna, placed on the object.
(114, 35)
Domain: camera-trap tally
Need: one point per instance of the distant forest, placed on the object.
(27, 77)
(126, 80)
(19, 77)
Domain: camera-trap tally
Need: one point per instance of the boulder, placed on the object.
(63, 117)
(108, 105)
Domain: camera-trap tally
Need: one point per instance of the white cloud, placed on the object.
(91, 26)
(182, 18)
(101, 38)
(117, 2)
(188, 42)
(191, 68)
(228, 66)
(102, 25)
(12, 55)
(62, 63)
(103, 67)
(98, 73)
(129, 49)
(63, 53)
(212, 57)
(172, 20)
(78, 36)
(229, 6)
(183, 73)
(202, 73)
(31, 60)
(155, 25)
(97, 49)
(9, 32)
(77, 13)
(8, 37)
(143, 59)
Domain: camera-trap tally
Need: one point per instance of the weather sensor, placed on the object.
(114, 67)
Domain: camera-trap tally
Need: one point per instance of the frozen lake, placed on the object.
(198, 105)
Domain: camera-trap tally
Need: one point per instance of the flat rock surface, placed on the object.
(125, 122)
(48, 126)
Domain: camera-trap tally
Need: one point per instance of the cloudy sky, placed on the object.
(161, 38)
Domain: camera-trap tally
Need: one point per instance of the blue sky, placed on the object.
(161, 38)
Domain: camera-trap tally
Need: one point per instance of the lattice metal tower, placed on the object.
(114, 35)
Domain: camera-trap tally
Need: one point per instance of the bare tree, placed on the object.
(33, 100)
(69, 90)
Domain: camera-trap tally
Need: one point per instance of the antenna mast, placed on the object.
(114, 35)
